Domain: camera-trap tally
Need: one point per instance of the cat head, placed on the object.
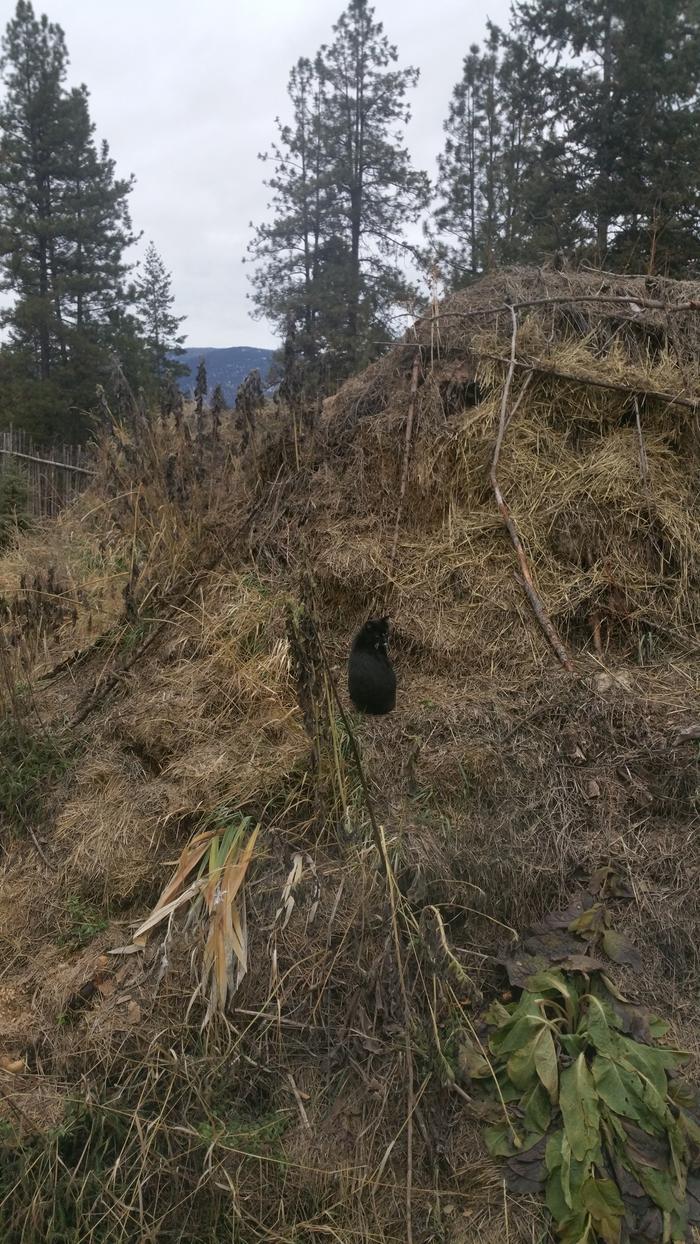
(375, 634)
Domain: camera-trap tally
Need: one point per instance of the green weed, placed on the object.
(28, 763)
(14, 502)
(83, 922)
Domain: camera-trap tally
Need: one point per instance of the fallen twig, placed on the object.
(532, 594)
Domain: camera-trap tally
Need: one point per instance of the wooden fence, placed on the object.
(54, 476)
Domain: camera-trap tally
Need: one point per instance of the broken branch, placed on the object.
(526, 580)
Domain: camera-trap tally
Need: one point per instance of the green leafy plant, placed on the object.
(28, 762)
(594, 1115)
(250, 1136)
(83, 922)
(14, 503)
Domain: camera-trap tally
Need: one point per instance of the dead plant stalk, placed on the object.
(532, 593)
(380, 842)
(415, 371)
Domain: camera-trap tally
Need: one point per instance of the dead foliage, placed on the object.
(210, 582)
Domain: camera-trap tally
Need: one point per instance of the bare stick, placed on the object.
(594, 623)
(62, 466)
(406, 452)
(532, 594)
(36, 842)
(643, 460)
(526, 385)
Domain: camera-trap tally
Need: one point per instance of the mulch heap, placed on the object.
(517, 483)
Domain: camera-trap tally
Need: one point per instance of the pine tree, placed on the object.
(377, 190)
(94, 229)
(201, 386)
(343, 189)
(289, 249)
(218, 406)
(218, 401)
(457, 216)
(154, 301)
(34, 60)
(623, 78)
(492, 162)
(64, 227)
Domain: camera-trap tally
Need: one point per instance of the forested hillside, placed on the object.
(226, 367)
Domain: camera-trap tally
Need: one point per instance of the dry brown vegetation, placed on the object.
(161, 679)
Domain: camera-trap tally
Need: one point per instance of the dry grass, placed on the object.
(499, 782)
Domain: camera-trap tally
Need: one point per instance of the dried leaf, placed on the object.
(581, 963)
(607, 881)
(163, 912)
(563, 919)
(521, 966)
(13, 1066)
(525, 1171)
(133, 1012)
(659, 1186)
(620, 949)
(591, 921)
(191, 856)
(550, 946)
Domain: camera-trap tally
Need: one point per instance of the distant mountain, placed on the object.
(227, 366)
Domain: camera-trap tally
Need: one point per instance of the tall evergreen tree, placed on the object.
(201, 385)
(64, 227)
(95, 227)
(377, 190)
(289, 249)
(160, 326)
(623, 78)
(577, 130)
(498, 145)
(458, 215)
(343, 189)
(32, 138)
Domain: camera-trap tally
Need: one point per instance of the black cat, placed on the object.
(371, 677)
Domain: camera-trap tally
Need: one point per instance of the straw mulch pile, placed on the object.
(147, 668)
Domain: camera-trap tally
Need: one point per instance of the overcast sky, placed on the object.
(186, 93)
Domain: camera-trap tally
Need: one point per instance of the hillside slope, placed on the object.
(227, 366)
(173, 677)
